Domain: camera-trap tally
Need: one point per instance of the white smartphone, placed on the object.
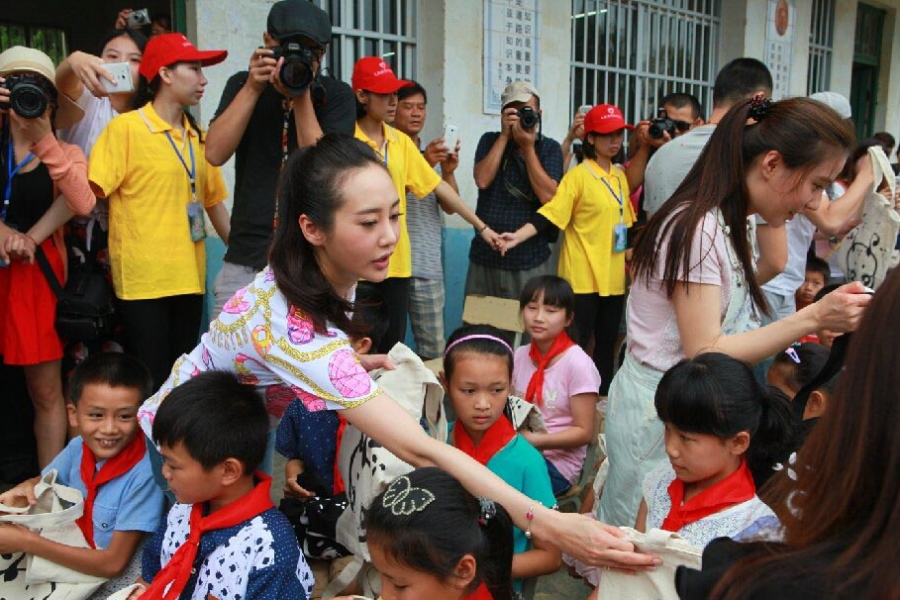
(451, 136)
(584, 108)
(122, 73)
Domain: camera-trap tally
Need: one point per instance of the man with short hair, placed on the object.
(261, 120)
(517, 170)
(423, 223)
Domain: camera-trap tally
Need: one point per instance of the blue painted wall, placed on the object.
(455, 242)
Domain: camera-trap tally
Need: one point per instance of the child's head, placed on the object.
(817, 273)
(212, 434)
(477, 376)
(371, 314)
(795, 367)
(106, 391)
(712, 407)
(547, 304)
(430, 538)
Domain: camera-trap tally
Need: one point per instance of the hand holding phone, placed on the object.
(121, 72)
(451, 137)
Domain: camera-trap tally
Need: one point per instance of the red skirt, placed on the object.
(28, 311)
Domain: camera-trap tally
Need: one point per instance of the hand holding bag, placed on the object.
(27, 577)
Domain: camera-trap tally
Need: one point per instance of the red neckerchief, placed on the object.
(178, 570)
(734, 489)
(338, 480)
(119, 464)
(480, 593)
(495, 438)
(535, 393)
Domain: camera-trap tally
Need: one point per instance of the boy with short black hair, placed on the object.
(212, 432)
(109, 465)
(814, 279)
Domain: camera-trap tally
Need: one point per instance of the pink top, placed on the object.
(68, 169)
(653, 337)
(574, 373)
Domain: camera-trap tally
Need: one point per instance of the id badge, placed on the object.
(196, 221)
(620, 237)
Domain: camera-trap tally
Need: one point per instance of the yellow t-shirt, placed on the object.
(134, 165)
(588, 211)
(409, 171)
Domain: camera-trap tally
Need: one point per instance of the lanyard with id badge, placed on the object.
(10, 173)
(620, 229)
(196, 218)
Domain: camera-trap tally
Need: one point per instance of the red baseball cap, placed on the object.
(605, 118)
(372, 74)
(170, 48)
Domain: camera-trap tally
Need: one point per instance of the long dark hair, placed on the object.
(843, 526)
(146, 91)
(139, 39)
(311, 184)
(803, 131)
(719, 395)
(433, 539)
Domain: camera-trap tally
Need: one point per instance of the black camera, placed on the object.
(297, 71)
(660, 125)
(29, 94)
(528, 117)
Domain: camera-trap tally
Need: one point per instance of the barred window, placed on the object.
(50, 40)
(821, 45)
(385, 28)
(631, 53)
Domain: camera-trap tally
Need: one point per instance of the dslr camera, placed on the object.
(662, 124)
(29, 94)
(297, 71)
(528, 117)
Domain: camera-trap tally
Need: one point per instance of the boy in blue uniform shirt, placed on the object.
(223, 538)
(109, 465)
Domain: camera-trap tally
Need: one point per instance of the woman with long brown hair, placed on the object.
(841, 532)
(694, 288)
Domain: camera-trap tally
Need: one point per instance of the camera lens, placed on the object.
(28, 100)
(528, 118)
(296, 74)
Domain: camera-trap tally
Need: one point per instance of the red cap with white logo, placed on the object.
(605, 118)
(171, 48)
(372, 74)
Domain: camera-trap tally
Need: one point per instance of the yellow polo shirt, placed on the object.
(409, 171)
(586, 209)
(133, 164)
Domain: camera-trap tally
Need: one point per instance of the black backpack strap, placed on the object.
(832, 367)
(49, 275)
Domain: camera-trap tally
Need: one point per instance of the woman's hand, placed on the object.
(32, 130)
(90, 69)
(14, 538)
(122, 18)
(370, 362)
(20, 496)
(596, 543)
(19, 246)
(841, 310)
(492, 238)
(508, 241)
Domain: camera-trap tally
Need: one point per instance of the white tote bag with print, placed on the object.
(27, 577)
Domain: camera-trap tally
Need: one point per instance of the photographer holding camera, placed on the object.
(282, 103)
(44, 182)
(517, 171)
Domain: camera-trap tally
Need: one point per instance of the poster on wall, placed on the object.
(510, 47)
(780, 45)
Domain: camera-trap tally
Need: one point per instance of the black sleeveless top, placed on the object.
(31, 194)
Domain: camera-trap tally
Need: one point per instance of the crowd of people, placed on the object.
(696, 304)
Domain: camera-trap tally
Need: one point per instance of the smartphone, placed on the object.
(122, 73)
(451, 136)
(584, 108)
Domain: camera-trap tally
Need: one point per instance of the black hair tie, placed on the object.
(759, 107)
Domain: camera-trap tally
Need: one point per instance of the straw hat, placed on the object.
(20, 58)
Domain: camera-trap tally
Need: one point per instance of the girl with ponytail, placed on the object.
(694, 287)
(430, 538)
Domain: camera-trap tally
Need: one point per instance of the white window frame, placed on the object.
(821, 46)
(637, 69)
(351, 38)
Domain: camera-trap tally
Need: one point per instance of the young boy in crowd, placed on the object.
(817, 273)
(109, 465)
(223, 538)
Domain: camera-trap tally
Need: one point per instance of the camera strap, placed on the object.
(192, 171)
(10, 173)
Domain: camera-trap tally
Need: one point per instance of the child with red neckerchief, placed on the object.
(720, 428)
(477, 373)
(223, 538)
(556, 375)
(108, 463)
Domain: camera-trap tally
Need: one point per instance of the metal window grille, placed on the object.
(51, 41)
(821, 45)
(631, 53)
(385, 28)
